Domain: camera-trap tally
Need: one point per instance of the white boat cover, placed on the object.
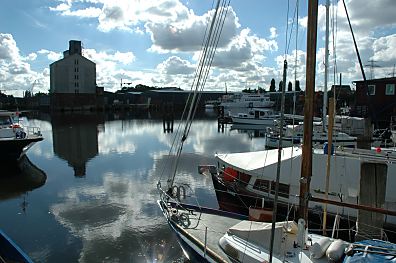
(260, 232)
(253, 161)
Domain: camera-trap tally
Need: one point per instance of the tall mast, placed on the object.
(324, 111)
(306, 162)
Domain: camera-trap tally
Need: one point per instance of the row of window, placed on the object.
(264, 186)
(389, 89)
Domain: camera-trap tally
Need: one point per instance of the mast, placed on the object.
(324, 111)
(306, 162)
(278, 167)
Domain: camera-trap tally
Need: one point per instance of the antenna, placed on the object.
(372, 65)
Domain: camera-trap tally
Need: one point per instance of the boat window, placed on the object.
(5, 120)
(244, 178)
(261, 185)
(284, 189)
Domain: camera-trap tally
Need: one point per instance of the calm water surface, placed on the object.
(87, 193)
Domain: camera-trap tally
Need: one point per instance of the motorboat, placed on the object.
(293, 135)
(15, 139)
(246, 100)
(256, 116)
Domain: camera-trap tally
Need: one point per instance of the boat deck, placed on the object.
(203, 230)
(215, 229)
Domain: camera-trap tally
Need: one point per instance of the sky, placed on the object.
(158, 43)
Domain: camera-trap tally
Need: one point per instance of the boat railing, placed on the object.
(32, 130)
(388, 155)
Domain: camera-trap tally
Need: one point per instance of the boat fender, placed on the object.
(318, 249)
(336, 250)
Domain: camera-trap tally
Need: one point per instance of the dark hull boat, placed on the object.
(11, 252)
(13, 149)
(15, 139)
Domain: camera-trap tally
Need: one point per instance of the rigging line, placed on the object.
(206, 66)
(295, 83)
(361, 65)
(219, 28)
(202, 58)
(186, 128)
(213, 45)
(201, 68)
(291, 29)
(287, 26)
(178, 135)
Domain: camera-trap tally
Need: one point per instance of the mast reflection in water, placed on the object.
(98, 203)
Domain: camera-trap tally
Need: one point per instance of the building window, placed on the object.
(371, 90)
(390, 89)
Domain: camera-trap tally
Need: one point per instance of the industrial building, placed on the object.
(73, 81)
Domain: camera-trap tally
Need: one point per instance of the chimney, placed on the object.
(74, 47)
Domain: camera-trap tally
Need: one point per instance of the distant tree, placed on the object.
(27, 94)
(289, 86)
(298, 85)
(272, 87)
(280, 85)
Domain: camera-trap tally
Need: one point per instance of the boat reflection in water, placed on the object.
(20, 177)
(253, 131)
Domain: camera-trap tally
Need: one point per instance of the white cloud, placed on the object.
(60, 8)
(103, 57)
(16, 74)
(187, 35)
(8, 48)
(51, 55)
(89, 12)
(175, 65)
(31, 57)
(273, 32)
(385, 49)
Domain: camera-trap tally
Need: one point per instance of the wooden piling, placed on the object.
(372, 193)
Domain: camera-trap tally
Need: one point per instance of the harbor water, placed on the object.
(87, 192)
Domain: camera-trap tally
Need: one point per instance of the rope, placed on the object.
(211, 39)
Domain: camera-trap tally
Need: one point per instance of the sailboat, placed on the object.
(211, 235)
